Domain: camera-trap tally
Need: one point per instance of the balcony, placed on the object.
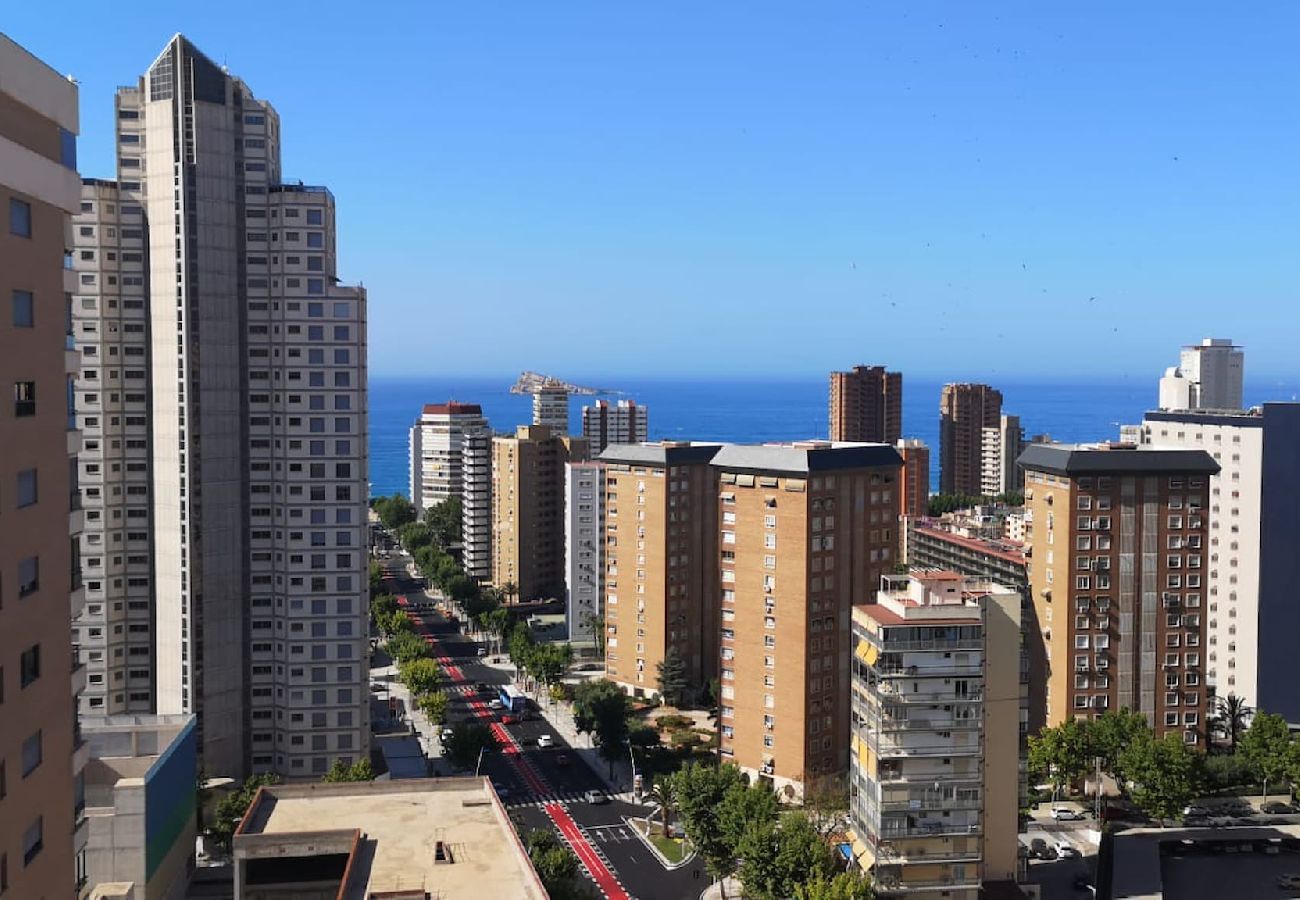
(886, 670)
(897, 694)
(74, 437)
(892, 724)
(966, 644)
(890, 886)
(887, 776)
(888, 853)
(928, 802)
(933, 828)
(78, 673)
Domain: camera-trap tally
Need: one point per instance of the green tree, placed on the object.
(672, 677)
(405, 646)
(1231, 715)
(555, 863)
(1165, 773)
(1266, 745)
(1110, 734)
(1060, 754)
(396, 622)
(232, 807)
(466, 740)
(596, 623)
(461, 588)
(496, 621)
(376, 577)
(663, 793)
(776, 857)
(742, 807)
(600, 709)
(699, 790)
(361, 770)
(421, 675)
(434, 706)
(443, 521)
(942, 503)
(826, 803)
(394, 511)
(382, 606)
(520, 646)
(510, 591)
(844, 886)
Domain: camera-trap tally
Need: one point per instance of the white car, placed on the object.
(496, 704)
(545, 741)
(1066, 814)
(1065, 850)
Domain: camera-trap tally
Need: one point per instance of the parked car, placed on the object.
(1066, 850)
(1277, 808)
(1066, 814)
(496, 704)
(596, 797)
(545, 741)
(481, 652)
(1038, 848)
(1195, 812)
(1290, 881)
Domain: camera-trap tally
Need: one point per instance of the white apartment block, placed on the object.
(256, 454)
(584, 547)
(621, 423)
(1208, 376)
(437, 465)
(1253, 566)
(476, 504)
(109, 325)
(551, 408)
(1000, 447)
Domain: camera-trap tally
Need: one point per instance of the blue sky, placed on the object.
(959, 190)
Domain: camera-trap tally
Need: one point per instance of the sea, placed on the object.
(756, 411)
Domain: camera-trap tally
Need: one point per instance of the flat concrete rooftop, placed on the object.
(1197, 868)
(399, 824)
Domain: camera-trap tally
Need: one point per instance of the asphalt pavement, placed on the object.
(544, 787)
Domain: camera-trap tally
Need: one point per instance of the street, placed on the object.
(545, 787)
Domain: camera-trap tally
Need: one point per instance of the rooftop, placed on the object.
(802, 457)
(452, 408)
(660, 453)
(389, 831)
(930, 597)
(1087, 459)
(1011, 551)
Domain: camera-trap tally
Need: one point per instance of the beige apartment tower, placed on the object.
(528, 487)
(805, 531)
(661, 508)
(42, 755)
(965, 410)
(866, 404)
(933, 797)
(1118, 554)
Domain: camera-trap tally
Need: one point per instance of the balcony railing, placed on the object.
(888, 853)
(929, 829)
(885, 776)
(894, 646)
(944, 671)
(925, 803)
(892, 885)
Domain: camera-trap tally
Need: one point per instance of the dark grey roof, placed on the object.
(1084, 459)
(659, 454)
(1237, 418)
(823, 457)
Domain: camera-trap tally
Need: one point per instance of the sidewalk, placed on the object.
(560, 717)
(424, 730)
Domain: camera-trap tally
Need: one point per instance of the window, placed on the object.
(33, 840)
(28, 575)
(315, 217)
(31, 754)
(24, 399)
(26, 488)
(315, 239)
(29, 665)
(20, 217)
(24, 311)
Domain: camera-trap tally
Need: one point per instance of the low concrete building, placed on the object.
(140, 805)
(447, 838)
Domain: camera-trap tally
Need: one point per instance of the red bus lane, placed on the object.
(537, 783)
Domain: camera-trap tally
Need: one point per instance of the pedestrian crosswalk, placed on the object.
(540, 800)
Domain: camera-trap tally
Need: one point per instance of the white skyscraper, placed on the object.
(254, 454)
(437, 448)
(551, 407)
(1000, 447)
(1208, 376)
(584, 546)
(622, 423)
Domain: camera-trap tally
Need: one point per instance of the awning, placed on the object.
(867, 652)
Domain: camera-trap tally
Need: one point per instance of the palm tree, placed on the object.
(664, 792)
(509, 591)
(1231, 716)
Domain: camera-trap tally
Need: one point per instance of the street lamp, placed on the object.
(479, 764)
(632, 757)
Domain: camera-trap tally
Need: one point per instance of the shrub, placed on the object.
(672, 722)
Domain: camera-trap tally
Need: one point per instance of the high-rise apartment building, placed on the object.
(476, 504)
(1208, 376)
(528, 510)
(805, 531)
(935, 688)
(866, 404)
(965, 410)
(914, 484)
(1252, 563)
(660, 563)
(1001, 446)
(621, 423)
(42, 792)
(110, 326)
(551, 406)
(1118, 540)
(584, 548)
(254, 466)
(437, 464)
